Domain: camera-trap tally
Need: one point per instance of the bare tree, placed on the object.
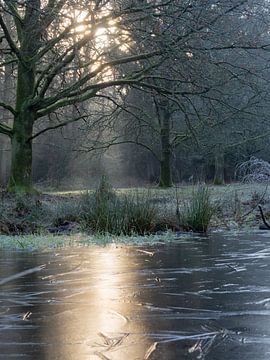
(217, 85)
(49, 45)
(51, 40)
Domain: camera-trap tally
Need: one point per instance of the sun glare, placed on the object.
(104, 36)
(79, 18)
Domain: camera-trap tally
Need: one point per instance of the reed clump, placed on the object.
(195, 214)
(106, 212)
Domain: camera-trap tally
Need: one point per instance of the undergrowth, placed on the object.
(106, 212)
(130, 212)
(195, 214)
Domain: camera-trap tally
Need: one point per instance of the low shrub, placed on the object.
(195, 215)
(105, 212)
(253, 171)
(140, 214)
(27, 207)
(65, 210)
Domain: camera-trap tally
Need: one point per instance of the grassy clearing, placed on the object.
(131, 211)
(169, 194)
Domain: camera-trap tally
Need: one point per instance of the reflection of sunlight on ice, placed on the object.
(109, 291)
(94, 312)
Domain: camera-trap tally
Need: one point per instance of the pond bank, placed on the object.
(235, 208)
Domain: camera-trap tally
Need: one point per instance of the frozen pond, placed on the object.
(205, 298)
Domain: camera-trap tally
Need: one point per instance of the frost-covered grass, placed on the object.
(50, 242)
(196, 214)
(235, 208)
(35, 242)
(168, 196)
(108, 212)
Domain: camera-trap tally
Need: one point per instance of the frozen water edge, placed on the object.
(194, 298)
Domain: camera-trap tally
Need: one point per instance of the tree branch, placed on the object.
(62, 124)
(78, 84)
(12, 10)
(8, 107)
(119, 142)
(263, 218)
(6, 130)
(50, 12)
(11, 43)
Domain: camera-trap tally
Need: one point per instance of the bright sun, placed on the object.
(104, 36)
(83, 26)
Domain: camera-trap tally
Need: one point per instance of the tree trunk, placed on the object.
(219, 168)
(4, 160)
(165, 179)
(7, 94)
(20, 179)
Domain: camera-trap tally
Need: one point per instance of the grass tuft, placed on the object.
(105, 212)
(195, 215)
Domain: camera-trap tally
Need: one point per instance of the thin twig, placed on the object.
(263, 217)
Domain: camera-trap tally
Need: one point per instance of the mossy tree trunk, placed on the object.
(164, 115)
(20, 179)
(5, 118)
(7, 91)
